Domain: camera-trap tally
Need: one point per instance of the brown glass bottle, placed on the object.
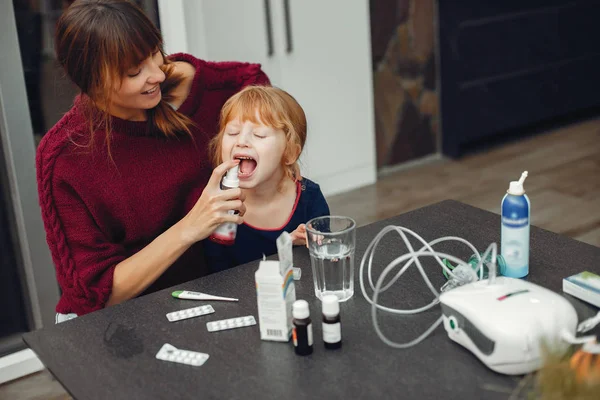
(302, 334)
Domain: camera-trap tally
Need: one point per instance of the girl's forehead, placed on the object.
(240, 120)
(255, 112)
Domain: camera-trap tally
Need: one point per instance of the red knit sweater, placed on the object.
(97, 212)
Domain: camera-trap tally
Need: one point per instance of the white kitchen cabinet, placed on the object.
(319, 51)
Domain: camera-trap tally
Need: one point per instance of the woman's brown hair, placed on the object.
(97, 41)
(272, 107)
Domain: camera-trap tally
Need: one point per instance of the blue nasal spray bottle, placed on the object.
(515, 230)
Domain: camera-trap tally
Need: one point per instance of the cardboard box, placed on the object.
(584, 286)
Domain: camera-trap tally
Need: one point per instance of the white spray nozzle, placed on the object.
(516, 187)
(231, 180)
(523, 176)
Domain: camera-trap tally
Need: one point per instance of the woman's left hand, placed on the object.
(299, 236)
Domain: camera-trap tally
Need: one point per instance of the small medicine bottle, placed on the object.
(332, 328)
(302, 332)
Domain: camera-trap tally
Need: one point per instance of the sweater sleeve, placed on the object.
(83, 257)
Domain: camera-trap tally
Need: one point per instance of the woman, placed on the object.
(124, 178)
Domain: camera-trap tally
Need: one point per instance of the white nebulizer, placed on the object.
(502, 320)
(225, 233)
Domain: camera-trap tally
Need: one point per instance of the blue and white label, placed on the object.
(515, 235)
(515, 222)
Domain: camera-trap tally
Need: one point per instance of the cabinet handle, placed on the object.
(288, 26)
(267, 7)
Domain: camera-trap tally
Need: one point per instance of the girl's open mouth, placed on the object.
(247, 166)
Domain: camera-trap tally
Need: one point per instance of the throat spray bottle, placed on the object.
(515, 230)
(225, 233)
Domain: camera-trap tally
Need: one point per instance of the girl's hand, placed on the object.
(299, 236)
(211, 209)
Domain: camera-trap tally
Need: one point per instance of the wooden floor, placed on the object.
(563, 185)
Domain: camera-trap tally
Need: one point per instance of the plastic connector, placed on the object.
(463, 274)
(571, 339)
(297, 273)
(589, 324)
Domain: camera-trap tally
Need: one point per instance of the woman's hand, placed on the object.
(134, 274)
(299, 236)
(211, 209)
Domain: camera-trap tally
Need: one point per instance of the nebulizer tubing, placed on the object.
(401, 230)
(413, 257)
(370, 252)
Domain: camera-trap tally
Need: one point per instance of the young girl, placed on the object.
(265, 128)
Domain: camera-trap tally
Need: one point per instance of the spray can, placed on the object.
(225, 233)
(515, 230)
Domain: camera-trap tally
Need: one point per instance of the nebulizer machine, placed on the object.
(503, 321)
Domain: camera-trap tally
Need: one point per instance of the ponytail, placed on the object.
(163, 117)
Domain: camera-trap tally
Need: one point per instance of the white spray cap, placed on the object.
(300, 309)
(331, 305)
(231, 180)
(516, 187)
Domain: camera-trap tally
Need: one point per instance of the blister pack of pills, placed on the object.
(173, 354)
(190, 313)
(230, 323)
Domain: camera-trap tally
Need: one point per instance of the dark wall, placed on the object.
(404, 84)
(511, 64)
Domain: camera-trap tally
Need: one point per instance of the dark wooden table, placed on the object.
(110, 354)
